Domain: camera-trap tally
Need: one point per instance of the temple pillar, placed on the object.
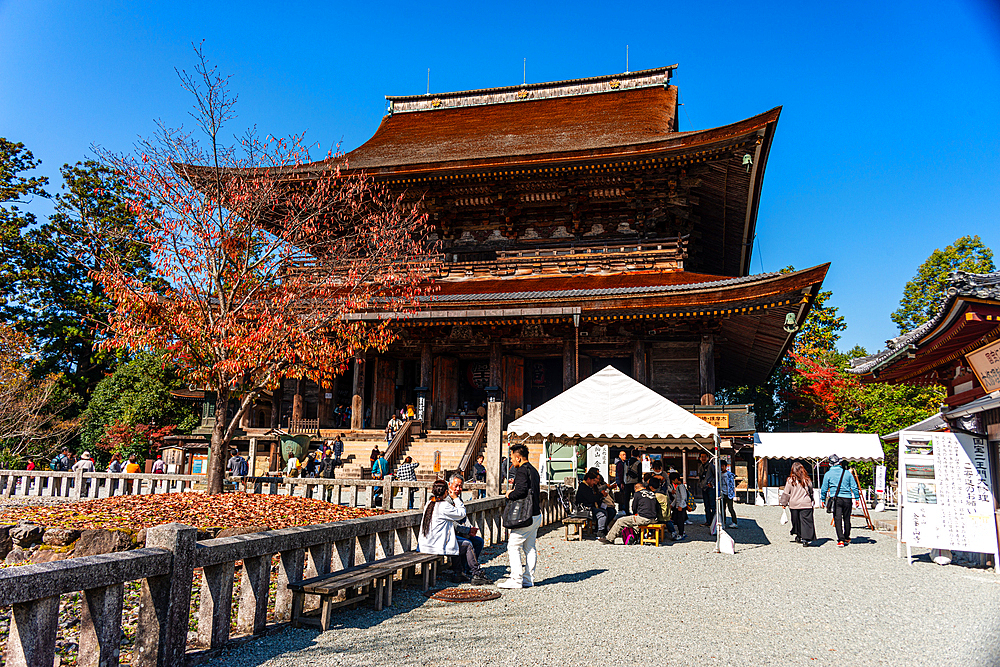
(325, 411)
(569, 367)
(639, 362)
(299, 400)
(706, 369)
(358, 401)
(495, 361)
(426, 378)
(277, 395)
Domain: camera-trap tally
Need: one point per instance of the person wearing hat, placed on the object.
(86, 464)
(839, 484)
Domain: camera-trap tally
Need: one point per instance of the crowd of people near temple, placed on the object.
(444, 528)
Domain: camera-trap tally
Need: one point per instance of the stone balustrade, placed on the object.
(166, 568)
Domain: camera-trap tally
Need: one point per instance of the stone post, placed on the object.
(165, 601)
(494, 424)
(251, 617)
(77, 491)
(101, 626)
(387, 492)
(32, 640)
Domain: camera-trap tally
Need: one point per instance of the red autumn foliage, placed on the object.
(260, 268)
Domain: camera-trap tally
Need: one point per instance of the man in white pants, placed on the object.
(525, 482)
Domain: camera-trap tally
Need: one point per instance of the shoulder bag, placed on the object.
(830, 499)
(517, 513)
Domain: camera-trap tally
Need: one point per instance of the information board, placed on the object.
(945, 494)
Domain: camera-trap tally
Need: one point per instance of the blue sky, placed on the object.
(887, 148)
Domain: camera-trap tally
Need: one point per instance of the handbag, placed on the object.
(517, 513)
(691, 506)
(830, 499)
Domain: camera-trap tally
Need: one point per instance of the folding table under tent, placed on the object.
(813, 447)
(610, 408)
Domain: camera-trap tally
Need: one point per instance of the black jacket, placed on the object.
(525, 482)
(645, 504)
(587, 496)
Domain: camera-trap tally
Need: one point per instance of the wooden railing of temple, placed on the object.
(401, 440)
(573, 257)
(304, 426)
(476, 442)
(166, 567)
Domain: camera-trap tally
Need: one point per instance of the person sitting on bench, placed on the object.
(465, 533)
(589, 496)
(645, 510)
(437, 528)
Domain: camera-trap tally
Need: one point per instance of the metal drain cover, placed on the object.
(463, 594)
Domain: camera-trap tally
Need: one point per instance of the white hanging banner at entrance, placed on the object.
(879, 479)
(945, 494)
(597, 457)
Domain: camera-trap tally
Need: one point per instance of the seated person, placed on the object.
(664, 502)
(467, 535)
(645, 510)
(590, 497)
(437, 528)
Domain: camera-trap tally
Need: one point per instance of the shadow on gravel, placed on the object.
(570, 577)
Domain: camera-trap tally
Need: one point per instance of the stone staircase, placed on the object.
(358, 446)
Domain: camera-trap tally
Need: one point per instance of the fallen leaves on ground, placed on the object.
(228, 510)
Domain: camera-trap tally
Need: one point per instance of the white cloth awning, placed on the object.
(610, 405)
(850, 446)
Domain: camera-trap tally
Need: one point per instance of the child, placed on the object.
(728, 493)
(679, 504)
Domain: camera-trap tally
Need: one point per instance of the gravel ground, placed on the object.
(773, 603)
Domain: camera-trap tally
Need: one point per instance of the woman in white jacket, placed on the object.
(437, 529)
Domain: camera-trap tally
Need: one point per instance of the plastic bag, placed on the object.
(759, 502)
(727, 545)
(784, 516)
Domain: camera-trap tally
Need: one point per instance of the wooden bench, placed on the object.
(579, 524)
(358, 583)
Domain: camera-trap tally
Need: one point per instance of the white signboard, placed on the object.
(945, 494)
(597, 457)
(879, 479)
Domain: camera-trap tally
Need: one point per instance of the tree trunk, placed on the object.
(217, 453)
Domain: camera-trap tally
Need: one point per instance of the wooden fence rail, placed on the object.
(166, 567)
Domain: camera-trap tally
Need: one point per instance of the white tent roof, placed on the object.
(611, 405)
(851, 446)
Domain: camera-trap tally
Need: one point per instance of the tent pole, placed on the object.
(718, 496)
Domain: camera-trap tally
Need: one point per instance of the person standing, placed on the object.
(679, 501)
(407, 472)
(797, 496)
(706, 480)
(294, 466)
(479, 474)
(526, 482)
(380, 468)
(158, 466)
(839, 484)
(728, 493)
(338, 449)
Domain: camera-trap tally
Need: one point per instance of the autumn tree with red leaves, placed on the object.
(258, 263)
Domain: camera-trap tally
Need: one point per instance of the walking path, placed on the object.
(774, 603)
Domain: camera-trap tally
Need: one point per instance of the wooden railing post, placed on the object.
(101, 626)
(32, 639)
(165, 601)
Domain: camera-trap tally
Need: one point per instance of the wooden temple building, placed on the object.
(578, 227)
(958, 349)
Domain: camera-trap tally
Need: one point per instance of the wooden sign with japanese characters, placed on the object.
(946, 499)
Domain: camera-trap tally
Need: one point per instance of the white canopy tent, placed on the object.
(609, 407)
(814, 446)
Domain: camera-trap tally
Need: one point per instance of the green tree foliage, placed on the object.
(65, 305)
(16, 190)
(821, 330)
(137, 395)
(922, 296)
